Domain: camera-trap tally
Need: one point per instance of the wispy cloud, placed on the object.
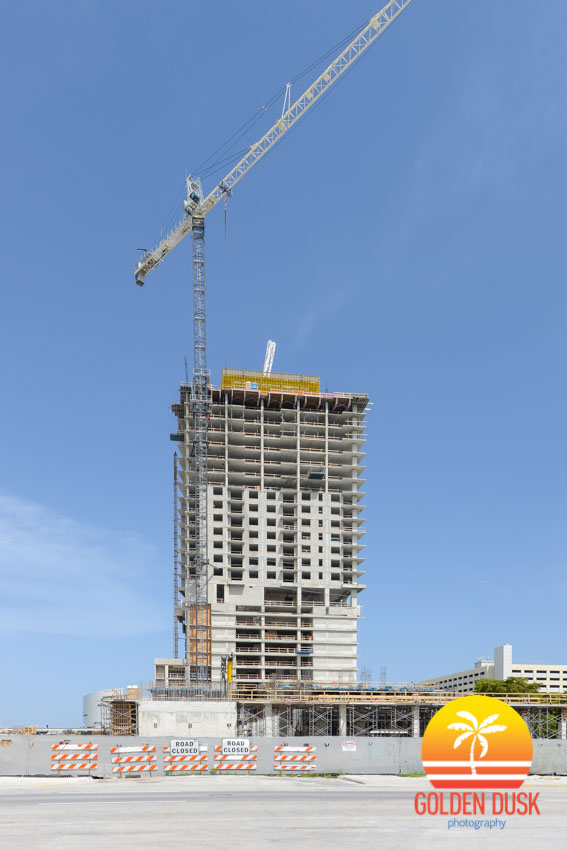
(492, 134)
(62, 576)
(314, 316)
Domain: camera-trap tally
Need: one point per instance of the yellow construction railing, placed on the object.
(277, 381)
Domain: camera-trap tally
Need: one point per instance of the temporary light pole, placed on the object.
(198, 650)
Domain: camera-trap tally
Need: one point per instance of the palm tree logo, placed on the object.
(477, 731)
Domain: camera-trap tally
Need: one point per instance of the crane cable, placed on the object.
(229, 143)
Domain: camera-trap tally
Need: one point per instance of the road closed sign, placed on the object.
(184, 747)
(235, 746)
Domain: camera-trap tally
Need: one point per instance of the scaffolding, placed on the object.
(286, 721)
(252, 721)
(119, 717)
(321, 720)
(381, 721)
(296, 720)
(425, 715)
(198, 642)
(543, 723)
(311, 715)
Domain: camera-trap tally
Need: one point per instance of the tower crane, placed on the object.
(196, 208)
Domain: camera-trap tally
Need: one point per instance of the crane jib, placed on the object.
(366, 37)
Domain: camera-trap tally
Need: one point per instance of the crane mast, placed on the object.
(197, 633)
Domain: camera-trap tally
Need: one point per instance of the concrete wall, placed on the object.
(30, 755)
(183, 718)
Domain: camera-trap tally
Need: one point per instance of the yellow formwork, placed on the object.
(240, 379)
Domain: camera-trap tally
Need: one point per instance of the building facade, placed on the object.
(284, 533)
(550, 677)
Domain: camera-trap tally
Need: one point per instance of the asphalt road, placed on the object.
(255, 812)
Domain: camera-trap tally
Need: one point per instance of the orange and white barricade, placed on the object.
(134, 759)
(184, 767)
(186, 763)
(167, 759)
(231, 765)
(93, 756)
(235, 762)
(133, 768)
(74, 756)
(75, 765)
(295, 758)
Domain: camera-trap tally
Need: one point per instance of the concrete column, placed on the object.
(354, 460)
(563, 724)
(226, 442)
(269, 720)
(299, 645)
(327, 446)
(342, 720)
(297, 614)
(415, 721)
(298, 447)
(262, 444)
(262, 619)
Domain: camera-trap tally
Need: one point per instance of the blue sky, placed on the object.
(407, 240)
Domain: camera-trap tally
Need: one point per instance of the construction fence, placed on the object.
(106, 756)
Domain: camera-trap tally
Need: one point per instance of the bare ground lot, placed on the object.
(240, 812)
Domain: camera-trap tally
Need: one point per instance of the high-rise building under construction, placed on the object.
(284, 531)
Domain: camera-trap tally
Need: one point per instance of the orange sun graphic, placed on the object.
(477, 742)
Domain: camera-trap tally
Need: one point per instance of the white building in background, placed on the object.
(285, 532)
(550, 677)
